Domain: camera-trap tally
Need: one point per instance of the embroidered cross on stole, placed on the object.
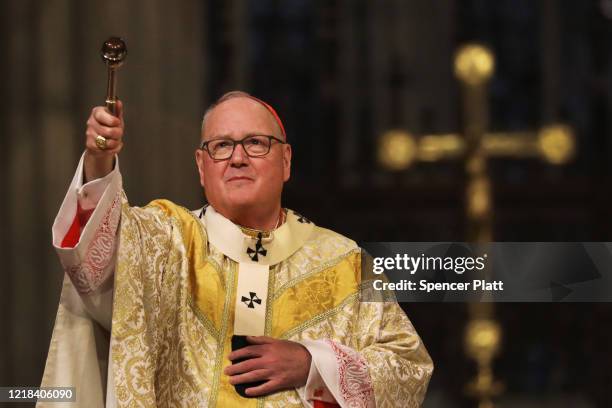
(255, 252)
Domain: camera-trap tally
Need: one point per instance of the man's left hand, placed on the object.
(283, 364)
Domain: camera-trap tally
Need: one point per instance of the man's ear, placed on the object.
(199, 158)
(286, 162)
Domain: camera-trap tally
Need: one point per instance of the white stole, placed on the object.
(255, 256)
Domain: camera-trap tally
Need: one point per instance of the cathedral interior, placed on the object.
(343, 75)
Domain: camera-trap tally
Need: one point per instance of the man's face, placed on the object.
(242, 182)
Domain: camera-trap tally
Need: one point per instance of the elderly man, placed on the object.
(157, 300)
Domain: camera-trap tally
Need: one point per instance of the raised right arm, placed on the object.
(85, 229)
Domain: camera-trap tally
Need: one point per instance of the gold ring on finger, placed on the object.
(101, 142)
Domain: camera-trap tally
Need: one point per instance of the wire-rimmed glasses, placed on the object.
(253, 145)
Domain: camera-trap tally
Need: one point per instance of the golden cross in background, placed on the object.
(474, 66)
(398, 150)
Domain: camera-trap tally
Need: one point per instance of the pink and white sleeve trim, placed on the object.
(98, 261)
(338, 374)
(88, 256)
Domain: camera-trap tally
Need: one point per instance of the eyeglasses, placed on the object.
(254, 146)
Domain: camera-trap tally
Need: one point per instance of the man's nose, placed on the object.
(239, 156)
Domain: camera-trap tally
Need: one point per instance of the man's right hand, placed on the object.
(98, 162)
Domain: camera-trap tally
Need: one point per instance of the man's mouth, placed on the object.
(239, 178)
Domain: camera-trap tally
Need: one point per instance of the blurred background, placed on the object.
(341, 74)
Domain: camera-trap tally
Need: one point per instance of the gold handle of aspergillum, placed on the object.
(113, 54)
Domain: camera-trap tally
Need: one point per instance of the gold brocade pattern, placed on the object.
(315, 295)
(173, 315)
(322, 250)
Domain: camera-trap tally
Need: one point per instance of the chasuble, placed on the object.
(152, 296)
